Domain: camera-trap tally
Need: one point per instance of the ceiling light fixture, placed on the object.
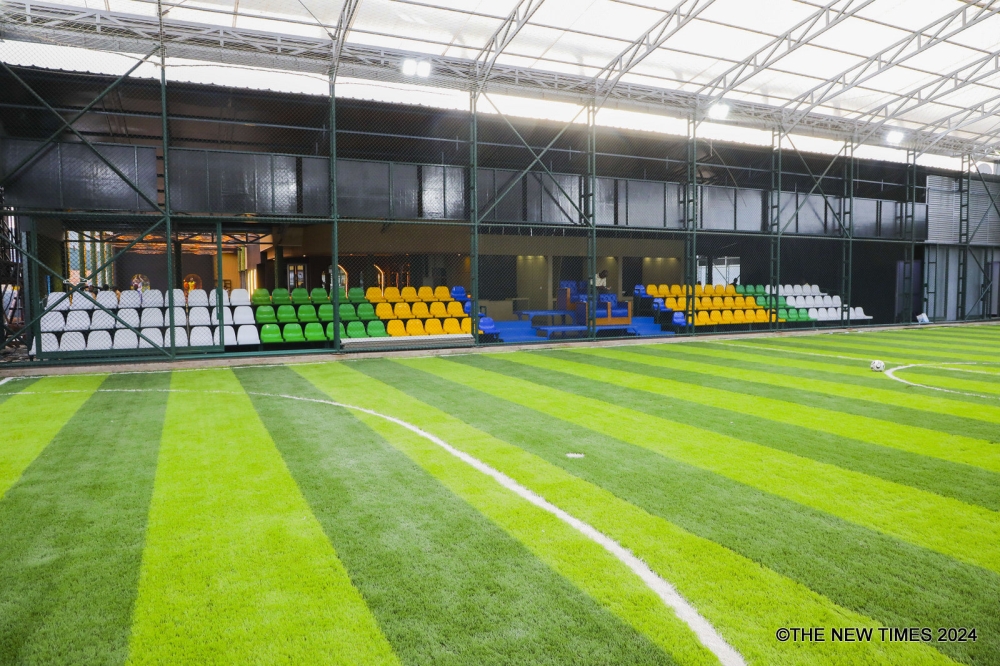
(409, 67)
(894, 137)
(718, 111)
(423, 69)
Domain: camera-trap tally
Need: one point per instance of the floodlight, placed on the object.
(718, 111)
(409, 67)
(894, 137)
(423, 69)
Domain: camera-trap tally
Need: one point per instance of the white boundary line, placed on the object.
(5, 380)
(891, 374)
(702, 628)
(790, 350)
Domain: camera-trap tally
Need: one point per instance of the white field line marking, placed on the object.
(702, 628)
(5, 380)
(891, 373)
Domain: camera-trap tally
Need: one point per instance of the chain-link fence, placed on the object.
(155, 211)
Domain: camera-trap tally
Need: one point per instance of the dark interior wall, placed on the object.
(154, 267)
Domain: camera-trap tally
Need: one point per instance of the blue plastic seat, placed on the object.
(658, 304)
(486, 325)
(679, 319)
(640, 290)
(468, 307)
(458, 293)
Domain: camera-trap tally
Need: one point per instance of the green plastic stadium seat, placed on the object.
(758, 289)
(803, 314)
(357, 295)
(329, 331)
(782, 303)
(265, 315)
(314, 332)
(740, 290)
(307, 313)
(376, 329)
(281, 297)
(260, 297)
(326, 312)
(366, 311)
(293, 333)
(356, 329)
(300, 296)
(793, 314)
(782, 313)
(270, 333)
(319, 296)
(347, 312)
(286, 314)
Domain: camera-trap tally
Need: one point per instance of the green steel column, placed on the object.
(691, 223)
(166, 188)
(221, 320)
(847, 248)
(591, 220)
(474, 212)
(774, 223)
(334, 219)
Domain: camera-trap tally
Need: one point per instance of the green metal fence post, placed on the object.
(334, 218)
(474, 212)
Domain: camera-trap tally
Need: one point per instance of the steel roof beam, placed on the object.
(504, 35)
(827, 17)
(665, 28)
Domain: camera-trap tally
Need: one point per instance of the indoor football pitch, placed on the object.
(763, 501)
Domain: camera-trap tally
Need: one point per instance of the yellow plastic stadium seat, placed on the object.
(374, 295)
(704, 303)
(682, 303)
(730, 290)
(720, 289)
(760, 316)
(433, 327)
(716, 317)
(728, 303)
(451, 326)
(738, 317)
(750, 303)
(739, 303)
(395, 328)
(663, 290)
(676, 290)
(391, 295)
(727, 317)
(442, 294)
(699, 290)
(384, 311)
(415, 327)
(426, 294)
(702, 318)
(651, 290)
(670, 303)
(455, 309)
(409, 294)
(419, 310)
(438, 310)
(402, 311)
(749, 316)
(717, 303)
(466, 323)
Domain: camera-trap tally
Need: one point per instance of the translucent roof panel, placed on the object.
(845, 70)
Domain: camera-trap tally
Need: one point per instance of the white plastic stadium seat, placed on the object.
(102, 321)
(810, 301)
(154, 335)
(180, 317)
(72, 341)
(151, 318)
(239, 297)
(789, 290)
(815, 290)
(227, 316)
(53, 322)
(130, 299)
(836, 302)
(814, 314)
(49, 342)
(57, 301)
(98, 341)
(211, 297)
(180, 300)
(77, 320)
(243, 315)
(247, 335)
(180, 338)
(125, 339)
(827, 301)
(82, 300)
(797, 289)
(861, 313)
(127, 316)
(198, 316)
(230, 335)
(197, 297)
(201, 336)
(152, 298)
(107, 299)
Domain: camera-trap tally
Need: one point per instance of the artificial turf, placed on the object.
(235, 516)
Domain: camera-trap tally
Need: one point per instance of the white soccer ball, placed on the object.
(878, 366)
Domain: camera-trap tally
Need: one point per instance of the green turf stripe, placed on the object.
(897, 348)
(14, 386)
(446, 584)
(236, 568)
(588, 376)
(922, 342)
(966, 332)
(954, 380)
(722, 357)
(33, 417)
(974, 373)
(973, 538)
(72, 530)
(737, 390)
(858, 347)
(743, 600)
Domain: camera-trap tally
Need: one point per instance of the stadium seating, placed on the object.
(278, 297)
(247, 335)
(270, 334)
(260, 297)
(314, 332)
(307, 314)
(293, 333)
(318, 296)
(376, 329)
